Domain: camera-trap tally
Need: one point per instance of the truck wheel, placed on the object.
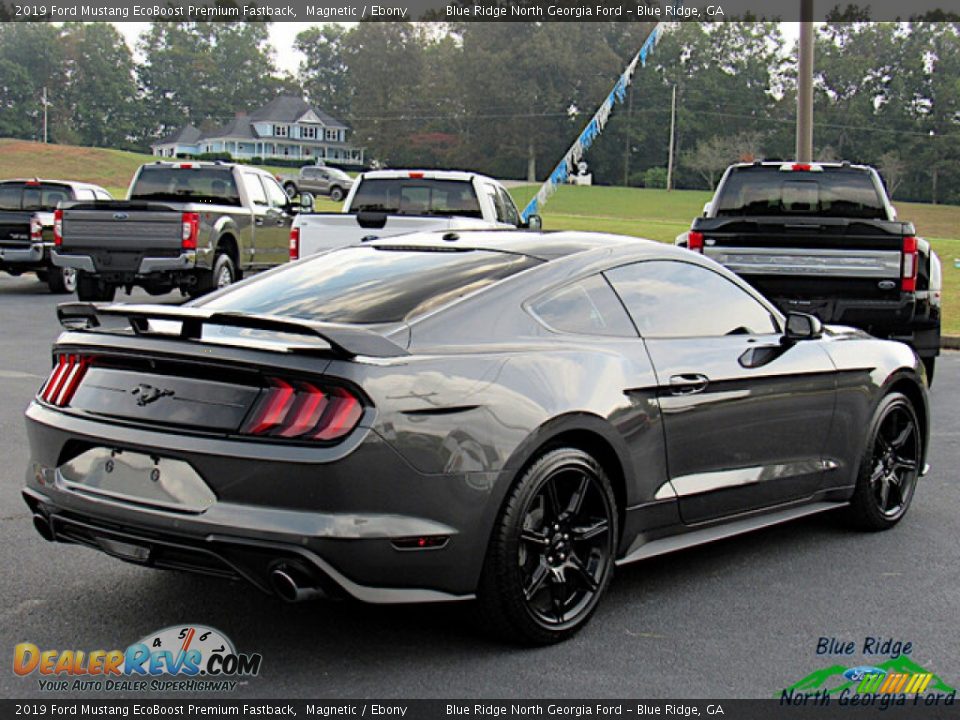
(290, 189)
(62, 280)
(90, 289)
(336, 194)
(224, 273)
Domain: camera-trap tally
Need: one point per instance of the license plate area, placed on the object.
(137, 478)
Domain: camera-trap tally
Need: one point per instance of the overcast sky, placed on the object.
(282, 35)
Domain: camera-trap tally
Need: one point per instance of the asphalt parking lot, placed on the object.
(739, 618)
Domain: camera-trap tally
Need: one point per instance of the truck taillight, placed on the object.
(695, 241)
(36, 229)
(304, 411)
(65, 378)
(57, 227)
(908, 265)
(294, 243)
(190, 230)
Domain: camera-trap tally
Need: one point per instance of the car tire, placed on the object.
(929, 365)
(552, 550)
(889, 467)
(336, 193)
(61, 280)
(90, 289)
(290, 189)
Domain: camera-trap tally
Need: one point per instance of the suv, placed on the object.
(318, 180)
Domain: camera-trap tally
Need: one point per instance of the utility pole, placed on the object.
(673, 133)
(45, 103)
(805, 84)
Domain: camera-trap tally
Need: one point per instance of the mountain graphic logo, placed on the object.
(899, 675)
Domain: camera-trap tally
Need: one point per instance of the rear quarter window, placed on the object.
(585, 307)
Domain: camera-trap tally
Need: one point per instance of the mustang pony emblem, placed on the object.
(147, 394)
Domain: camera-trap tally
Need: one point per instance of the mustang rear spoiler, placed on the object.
(345, 340)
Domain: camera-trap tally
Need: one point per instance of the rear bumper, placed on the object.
(36, 255)
(334, 521)
(146, 266)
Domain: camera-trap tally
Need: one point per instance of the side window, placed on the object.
(84, 194)
(510, 213)
(497, 201)
(276, 197)
(102, 195)
(585, 307)
(668, 298)
(254, 189)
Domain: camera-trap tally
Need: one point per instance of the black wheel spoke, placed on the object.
(553, 502)
(588, 532)
(877, 474)
(900, 440)
(576, 500)
(584, 574)
(537, 580)
(884, 493)
(904, 463)
(534, 538)
(558, 594)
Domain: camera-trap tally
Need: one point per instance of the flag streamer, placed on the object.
(573, 156)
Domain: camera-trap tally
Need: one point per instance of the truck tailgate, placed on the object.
(118, 235)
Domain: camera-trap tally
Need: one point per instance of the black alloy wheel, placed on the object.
(552, 553)
(890, 466)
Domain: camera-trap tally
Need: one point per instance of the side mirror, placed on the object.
(534, 222)
(801, 326)
(306, 202)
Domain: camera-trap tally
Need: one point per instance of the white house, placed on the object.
(287, 127)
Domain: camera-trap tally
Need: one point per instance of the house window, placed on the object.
(308, 133)
(280, 130)
(332, 134)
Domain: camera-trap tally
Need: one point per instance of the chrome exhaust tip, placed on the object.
(286, 583)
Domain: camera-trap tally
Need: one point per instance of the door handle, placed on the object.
(688, 384)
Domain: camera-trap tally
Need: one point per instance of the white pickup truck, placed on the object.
(383, 203)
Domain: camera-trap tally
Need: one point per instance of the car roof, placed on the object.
(457, 175)
(787, 164)
(536, 244)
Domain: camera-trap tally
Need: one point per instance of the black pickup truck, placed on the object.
(823, 238)
(26, 227)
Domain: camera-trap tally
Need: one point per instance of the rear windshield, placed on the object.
(368, 284)
(400, 196)
(197, 184)
(835, 192)
(20, 196)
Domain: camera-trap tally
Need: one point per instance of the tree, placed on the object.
(323, 71)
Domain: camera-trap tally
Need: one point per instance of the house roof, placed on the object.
(240, 127)
(289, 109)
(187, 135)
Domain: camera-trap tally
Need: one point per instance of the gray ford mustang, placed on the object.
(494, 415)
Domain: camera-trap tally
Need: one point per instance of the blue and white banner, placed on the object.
(573, 156)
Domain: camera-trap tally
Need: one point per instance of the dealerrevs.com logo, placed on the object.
(187, 658)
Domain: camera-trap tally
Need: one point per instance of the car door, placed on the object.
(745, 416)
(315, 180)
(272, 232)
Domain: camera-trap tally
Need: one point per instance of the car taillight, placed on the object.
(36, 229)
(294, 243)
(58, 227)
(65, 379)
(908, 265)
(190, 230)
(695, 241)
(302, 410)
